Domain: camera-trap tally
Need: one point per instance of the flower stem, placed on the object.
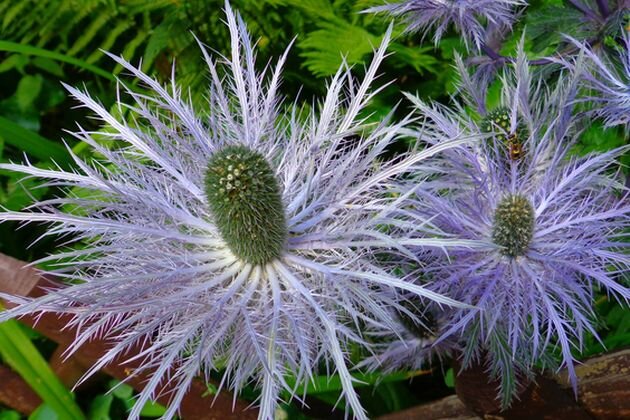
(494, 55)
(603, 7)
(540, 62)
(487, 50)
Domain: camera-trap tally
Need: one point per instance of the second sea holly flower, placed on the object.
(545, 228)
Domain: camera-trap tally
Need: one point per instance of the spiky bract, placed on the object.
(469, 17)
(544, 232)
(412, 345)
(607, 81)
(160, 265)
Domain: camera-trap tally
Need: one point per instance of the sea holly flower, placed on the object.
(607, 81)
(237, 238)
(469, 17)
(545, 228)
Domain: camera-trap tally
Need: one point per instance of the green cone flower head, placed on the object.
(499, 122)
(245, 200)
(513, 225)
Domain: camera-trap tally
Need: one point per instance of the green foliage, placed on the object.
(596, 138)
(32, 143)
(46, 412)
(341, 34)
(336, 40)
(19, 353)
(118, 401)
(449, 378)
(100, 407)
(546, 26)
(324, 384)
(9, 415)
(614, 328)
(45, 59)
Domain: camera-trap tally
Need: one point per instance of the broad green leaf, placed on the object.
(49, 65)
(9, 415)
(14, 61)
(52, 95)
(100, 406)
(449, 378)
(40, 52)
(596, 138)
(21, 192)
(120, 390)
(389, 397)
(27, 119)
(45, 412)
(28, 90)
(152, 409)
(32, 143)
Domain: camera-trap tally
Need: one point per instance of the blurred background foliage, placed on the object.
(46, 42)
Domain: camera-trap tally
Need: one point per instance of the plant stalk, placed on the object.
(603, 8)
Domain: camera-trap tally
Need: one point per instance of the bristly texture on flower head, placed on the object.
(469, 17)
(412, 346)
(545, 228)
(607, 81)
(239, 242)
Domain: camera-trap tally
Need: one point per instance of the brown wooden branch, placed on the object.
(15, 393)
(603, 394)
(604, 389)
(68, 369)
(544, 398)
(449, 407)
(17, 279)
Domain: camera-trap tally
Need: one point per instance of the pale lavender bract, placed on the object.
(411, 348)
(470, 17)
(607, 82)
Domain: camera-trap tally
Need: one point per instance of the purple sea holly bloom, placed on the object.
(469, 17)
(545, 228)
(238, 240)
(607, 81)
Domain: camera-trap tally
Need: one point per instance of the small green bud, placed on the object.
(513, 225)
(498, 122)
(245, 200)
